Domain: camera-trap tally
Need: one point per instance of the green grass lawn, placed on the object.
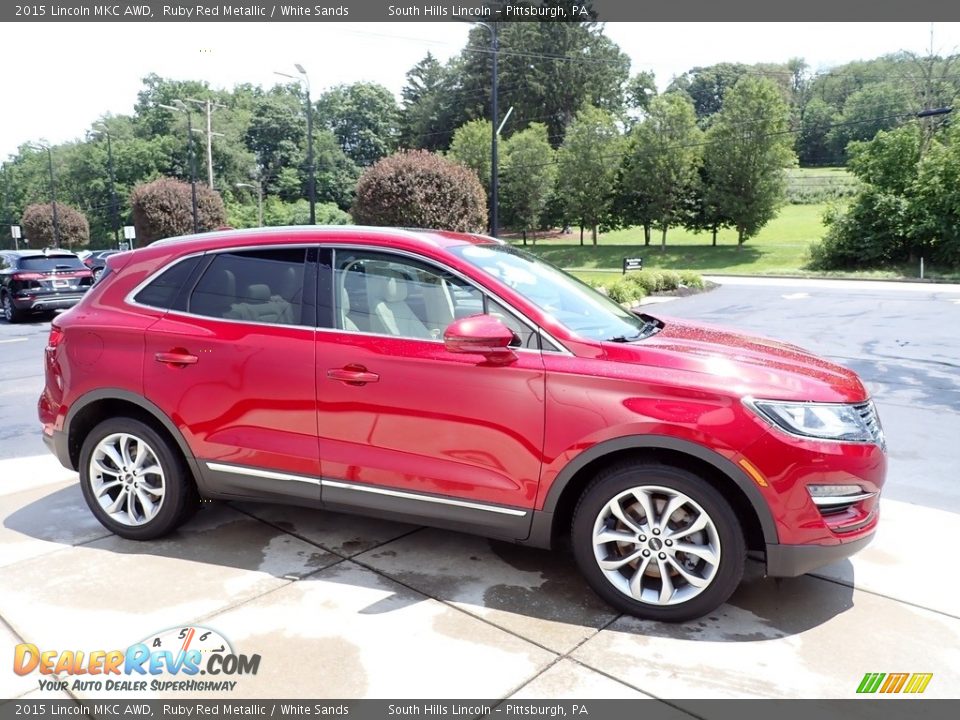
(780, 248)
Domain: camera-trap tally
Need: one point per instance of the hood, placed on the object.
(742, 363)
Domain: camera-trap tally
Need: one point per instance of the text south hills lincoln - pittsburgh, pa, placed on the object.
(507, 12)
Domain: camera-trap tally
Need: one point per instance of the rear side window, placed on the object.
(163, 290)
(49, 263)
(262, 286)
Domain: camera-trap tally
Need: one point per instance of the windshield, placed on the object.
(576, 305)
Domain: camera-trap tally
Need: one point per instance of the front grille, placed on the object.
(871, 420)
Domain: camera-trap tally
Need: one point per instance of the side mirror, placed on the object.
(480, 335)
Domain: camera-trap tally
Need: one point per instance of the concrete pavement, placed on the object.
(341, 606)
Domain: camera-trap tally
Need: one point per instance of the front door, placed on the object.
(407, 427)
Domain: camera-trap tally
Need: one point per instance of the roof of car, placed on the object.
(40, 253)
(301, 233)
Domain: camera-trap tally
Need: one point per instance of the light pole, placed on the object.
(114, 210)
(209, 105)
(53, 194)
(494, 113)
(181, 106)
(259, 188)
(312, 183)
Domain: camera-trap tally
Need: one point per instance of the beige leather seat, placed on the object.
(346, 322)
(390, 313)
(262, 306)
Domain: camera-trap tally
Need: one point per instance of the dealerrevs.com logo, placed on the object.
(168, 661)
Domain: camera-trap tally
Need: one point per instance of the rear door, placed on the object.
(233, 365)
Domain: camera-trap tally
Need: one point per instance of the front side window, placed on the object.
(386, 294)
(574, 304)
(262, 286)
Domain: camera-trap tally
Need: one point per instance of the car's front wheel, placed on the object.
(658, 542)
(134, 481)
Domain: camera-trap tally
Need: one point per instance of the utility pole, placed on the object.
(53, 195)
(494, 124)
(181, 106)
(311, 169)
(209, 105)
(114, 209)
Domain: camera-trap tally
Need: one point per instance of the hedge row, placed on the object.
(637, 285)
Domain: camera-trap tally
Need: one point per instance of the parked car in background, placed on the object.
(40, 281)
(453, 380)
(96, 260)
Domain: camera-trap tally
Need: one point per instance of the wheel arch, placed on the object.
(552, 522)
(98, 405)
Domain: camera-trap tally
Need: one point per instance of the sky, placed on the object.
(96, 68)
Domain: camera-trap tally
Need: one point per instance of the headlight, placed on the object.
(825, 421)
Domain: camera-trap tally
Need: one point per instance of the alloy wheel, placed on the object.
(656, 545)
(127, 479)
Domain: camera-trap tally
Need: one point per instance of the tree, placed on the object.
(416, 188)
(528, 175)
(72, 226)
(364, 118)
(662, 160)
(813, 143)
(163, 208)
(747, 150)
(429, 114)
(587, 168)
(471, 147)
(548, 71)
(879, 106)
(706, 86)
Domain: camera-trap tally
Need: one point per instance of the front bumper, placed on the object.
(794, 560)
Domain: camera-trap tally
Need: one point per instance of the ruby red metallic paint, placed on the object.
(258, 396)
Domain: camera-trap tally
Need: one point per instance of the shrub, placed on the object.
(650, 281)
(692, 279)
(164, 208)
(38, 226)
(669, 280)
(417, 188)
(624, 291)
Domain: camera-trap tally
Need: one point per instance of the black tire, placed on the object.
(724, 575)
(10, 313)
(179, 500)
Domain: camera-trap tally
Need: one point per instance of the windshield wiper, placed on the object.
(649, 328)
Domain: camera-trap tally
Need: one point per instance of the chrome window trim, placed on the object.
(273, 475)
(129, 298)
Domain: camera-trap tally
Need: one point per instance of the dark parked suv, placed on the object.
(36, 281)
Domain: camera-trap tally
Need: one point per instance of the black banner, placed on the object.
(484, 10)
(875, 709)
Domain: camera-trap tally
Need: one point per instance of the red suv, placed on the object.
(455, 381)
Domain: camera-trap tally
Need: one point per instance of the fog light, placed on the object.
(833, 495)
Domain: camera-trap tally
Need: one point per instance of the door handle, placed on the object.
(176, 357)
(352, 375)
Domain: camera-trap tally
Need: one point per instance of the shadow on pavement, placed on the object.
(508, 584)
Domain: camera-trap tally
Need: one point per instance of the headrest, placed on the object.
(260, 293)
(396, 290)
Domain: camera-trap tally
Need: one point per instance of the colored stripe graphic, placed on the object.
(913, 683)
(894, 683)
(870, 682)
(918, 682)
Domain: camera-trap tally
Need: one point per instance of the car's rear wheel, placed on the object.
(658, 542)
(134, 481)
(10, 313)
